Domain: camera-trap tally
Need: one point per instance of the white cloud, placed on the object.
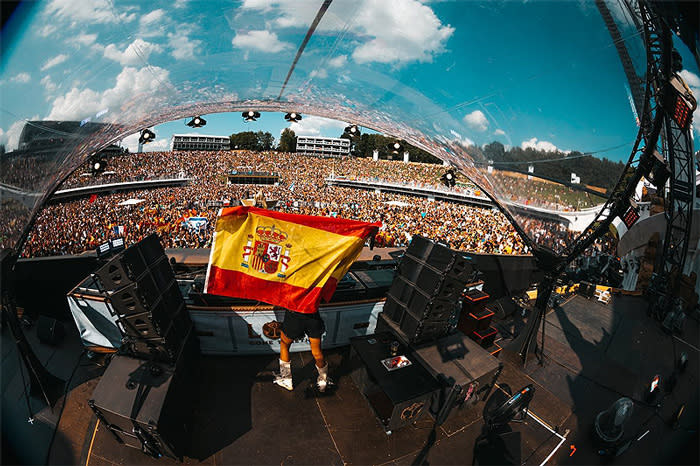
(182, 46)
(499, 132)
(85, 39)
(320, 73)
(318, 126)
(131, 142)
(76, 104)
(47, 30)
(690, 78)
(136, 53)
(48, 84)
(86, 11)
(693, 82)
(477, 121)
(152, 17)
(338, 62)
(465, 141)
(57, 60)
(544, 146)
(387, 31)
(180, 3)
(21, 78)
(11, 137)
(263, 41)
(403, 31)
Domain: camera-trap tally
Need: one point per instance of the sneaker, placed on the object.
(283, 378)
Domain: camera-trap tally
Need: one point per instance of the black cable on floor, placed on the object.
(63, 405)
(24, 387)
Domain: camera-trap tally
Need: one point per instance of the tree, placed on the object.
(288, 141)
(265, 140)
(247, 140)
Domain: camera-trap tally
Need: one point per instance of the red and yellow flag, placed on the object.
(286, 260)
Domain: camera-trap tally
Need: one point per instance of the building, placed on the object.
(199, 142)
(323, 147)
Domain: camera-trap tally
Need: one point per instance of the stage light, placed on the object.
(395, 148)
(352, 130)
(197, 122)
(656, 170)
(449, 179)
(97, 166)
(250, 115)
(516, 405)
(146, 136)
(680, 103)
(631, 215)
(293, 117)
(609, 424)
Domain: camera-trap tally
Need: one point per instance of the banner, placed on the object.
(286, 260)
(197, 223)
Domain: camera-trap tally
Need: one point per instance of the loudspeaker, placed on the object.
(439, 256)
(50, 331)
(146, 405)
(398, 396)
(134, 262)
(586, 289)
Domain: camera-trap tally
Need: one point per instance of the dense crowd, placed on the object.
(75, 226)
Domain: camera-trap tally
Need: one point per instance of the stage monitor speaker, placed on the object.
(463, 367)
(146, 405)
(398, 395)
(586, 289)
(50, 331)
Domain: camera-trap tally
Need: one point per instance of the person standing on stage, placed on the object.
(294, 327)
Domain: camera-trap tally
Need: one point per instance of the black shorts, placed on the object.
(296, 325)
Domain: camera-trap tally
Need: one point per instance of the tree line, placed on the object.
(593, 171)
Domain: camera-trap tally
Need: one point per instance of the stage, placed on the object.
(594, 354)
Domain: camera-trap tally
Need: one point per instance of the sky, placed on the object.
(540, 74)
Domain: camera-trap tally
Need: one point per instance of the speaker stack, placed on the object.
(144, 395)
(144, 296)
(423, 301)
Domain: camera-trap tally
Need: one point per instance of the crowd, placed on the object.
(75, 226)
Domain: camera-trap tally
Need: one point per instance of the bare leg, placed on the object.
(285, 343)
(316, 352)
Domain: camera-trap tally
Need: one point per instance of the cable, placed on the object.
(65, 399)
(24, 387)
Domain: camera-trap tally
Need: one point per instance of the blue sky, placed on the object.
(531, 74)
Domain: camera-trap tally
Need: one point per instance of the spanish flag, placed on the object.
(286, 260)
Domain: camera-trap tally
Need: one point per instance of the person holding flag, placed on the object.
(287, 260)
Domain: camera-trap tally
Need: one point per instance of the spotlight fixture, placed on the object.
(395, 148)
(146, 136)
(250, 115)
(631, 215)
(515, 408)
(680, 102)
(449, 179)
(97, 166)
(197, 122)
(292, 117)
(352, 130)
(657, 170)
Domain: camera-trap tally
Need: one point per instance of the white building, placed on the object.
(323, 147)
(199, 142)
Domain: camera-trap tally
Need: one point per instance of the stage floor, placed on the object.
(594, 355)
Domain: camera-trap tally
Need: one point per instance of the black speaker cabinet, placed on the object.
(146, 405)
(439, 256)
(127, 267)
(467, 372)
(398, 395)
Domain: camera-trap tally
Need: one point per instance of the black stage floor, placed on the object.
(593, 355)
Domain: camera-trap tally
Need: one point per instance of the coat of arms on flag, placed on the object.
(287, 260)
(269, 253)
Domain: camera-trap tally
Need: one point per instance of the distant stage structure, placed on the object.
(199, 142)
(323, 147)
